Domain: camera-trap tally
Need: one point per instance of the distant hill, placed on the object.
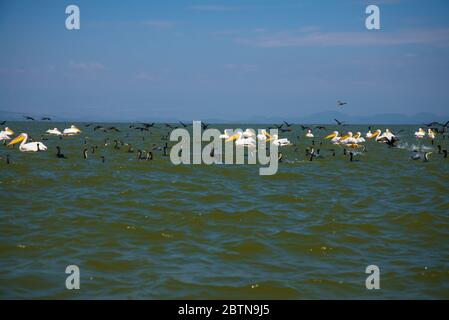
(324, 117)
(384, 118)
(327, 117)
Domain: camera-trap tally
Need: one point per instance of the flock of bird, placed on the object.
(248, 138)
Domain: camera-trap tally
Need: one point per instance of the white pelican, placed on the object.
(358, 137)
(334, 137)
(387, 135)
(369, 134)
(276, 141)
(430, 134)
(54, 131)
(309, 133)
(241, 141)
(71, 131)
(26, 147)
(248, 133)
(375, 134)
(348, 138)
(420, 133)
(263, 135)
(5, 134)
(225, 135)
(279, 142)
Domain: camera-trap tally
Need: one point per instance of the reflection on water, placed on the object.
(149, 229)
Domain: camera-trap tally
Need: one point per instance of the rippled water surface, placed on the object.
(150, 229)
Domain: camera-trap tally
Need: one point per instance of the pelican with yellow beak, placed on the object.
(5, 134)
(263, 135)
(420, 133)
(358, 137)
(430, 134)
(27, 147)
(225, 135)
(387, 135)
(375, 134)
(242, 141)
(335, 138)
(276, 141)
(348, 138)
(71, 131)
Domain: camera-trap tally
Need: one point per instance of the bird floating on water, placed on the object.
(417, 155)
(60, 155)
(309, 133)
(71, 131)
(5, 134)
(335, 138)
(54, 131)
(420, 133)
(241, 141)
(27, 147)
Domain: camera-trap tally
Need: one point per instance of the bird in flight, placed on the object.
(340, 123)
(341, 103)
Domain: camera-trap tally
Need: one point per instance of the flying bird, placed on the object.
(341, 103)
(278, 126)
(340, 123)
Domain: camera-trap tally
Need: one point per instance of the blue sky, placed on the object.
(237, 60)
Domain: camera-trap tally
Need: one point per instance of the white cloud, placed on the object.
(142, 75)
(159, 24)
(91, 66)
(304, 37)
